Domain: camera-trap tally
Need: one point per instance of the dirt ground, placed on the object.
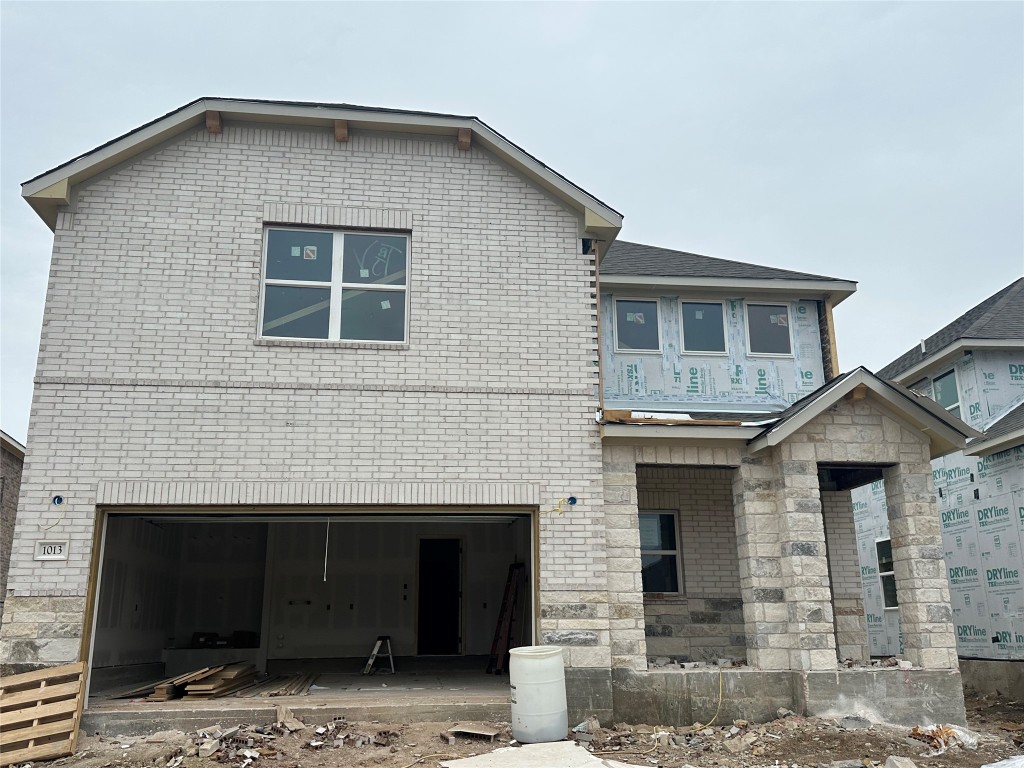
(792, 741)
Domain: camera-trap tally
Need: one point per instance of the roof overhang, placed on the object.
(51, 190)
(945, 433)
(996, 444)
(11, 445)
(837, 290)
(951, 352)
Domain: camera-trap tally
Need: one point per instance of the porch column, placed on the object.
(765, 616)
(804, 560)
(926, 618)
(625, 586)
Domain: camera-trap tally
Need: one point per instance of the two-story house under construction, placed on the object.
(314, 373)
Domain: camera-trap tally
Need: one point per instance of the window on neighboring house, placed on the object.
(340, 286)
(886, 575)
(768, 329)
(637, 328)
(945, 392)
(659, 552)
(703, 326)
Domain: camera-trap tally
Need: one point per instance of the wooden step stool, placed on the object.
(376, 650)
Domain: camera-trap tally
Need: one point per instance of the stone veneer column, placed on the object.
(625, 586)
(804, 560)
(926, 618)
(765, 615)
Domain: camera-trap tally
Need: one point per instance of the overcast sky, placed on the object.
(876, 142)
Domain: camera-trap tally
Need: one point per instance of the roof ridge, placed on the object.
(1009, 293)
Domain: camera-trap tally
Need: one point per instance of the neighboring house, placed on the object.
(12, 457)
(974, 368)
(329, 371)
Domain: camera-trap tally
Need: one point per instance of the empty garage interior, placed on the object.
(289, 591)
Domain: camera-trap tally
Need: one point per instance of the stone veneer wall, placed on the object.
(705, 620)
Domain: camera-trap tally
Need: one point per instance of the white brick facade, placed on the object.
(151, 379)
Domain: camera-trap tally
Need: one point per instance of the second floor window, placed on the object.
(637, 328)
(703, 326)
(768, 329)
(946, 394)
(338, 286)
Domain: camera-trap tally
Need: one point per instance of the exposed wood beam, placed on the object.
(341, 130)
(465, 138)
(213, 123)
(859, 392)
(830, 325)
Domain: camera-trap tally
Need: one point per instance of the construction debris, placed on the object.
(943, 737)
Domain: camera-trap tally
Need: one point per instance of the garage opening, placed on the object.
(301, 593)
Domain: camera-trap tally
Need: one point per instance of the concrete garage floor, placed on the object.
(421, 690)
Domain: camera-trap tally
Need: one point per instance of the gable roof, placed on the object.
(1005, 432)
(50, 190)
(999, 318)
(946, 433)
(629, 263)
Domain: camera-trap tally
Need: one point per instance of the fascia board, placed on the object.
(11, 445)
(192, 115)
(677, 432)
(948, 438)
(996, 444)
(952, 351)
(837, 289)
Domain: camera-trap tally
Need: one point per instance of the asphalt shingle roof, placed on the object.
(625, 258)
(1010, 421)
(999, 317)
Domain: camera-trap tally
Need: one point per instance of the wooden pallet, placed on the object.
(39, 713)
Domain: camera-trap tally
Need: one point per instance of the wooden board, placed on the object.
(39, 713)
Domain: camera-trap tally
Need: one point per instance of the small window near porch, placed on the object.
(659, 551)
(886, 574)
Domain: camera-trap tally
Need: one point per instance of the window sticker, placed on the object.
(635, 317)
(386, 304)
(364, 273)
(779, 319)
(296, 251)
(309, 253)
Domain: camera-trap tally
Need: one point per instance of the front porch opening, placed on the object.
(692, 604)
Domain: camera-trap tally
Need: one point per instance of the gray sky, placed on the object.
(871, 141)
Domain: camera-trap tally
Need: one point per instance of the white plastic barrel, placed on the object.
(537, 678)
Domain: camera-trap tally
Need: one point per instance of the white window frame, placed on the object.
(682, 322)
(882, 573)
(615, 324)
(678, 551)
(336, 284)
(956, 386)
(789, 327)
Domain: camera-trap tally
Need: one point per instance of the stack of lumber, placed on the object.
(227, 679)
(39, 714)
(280, 685)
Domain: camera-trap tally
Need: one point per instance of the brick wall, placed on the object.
(844, 570)
(706, 620)
(149, 369)
(10, 471)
